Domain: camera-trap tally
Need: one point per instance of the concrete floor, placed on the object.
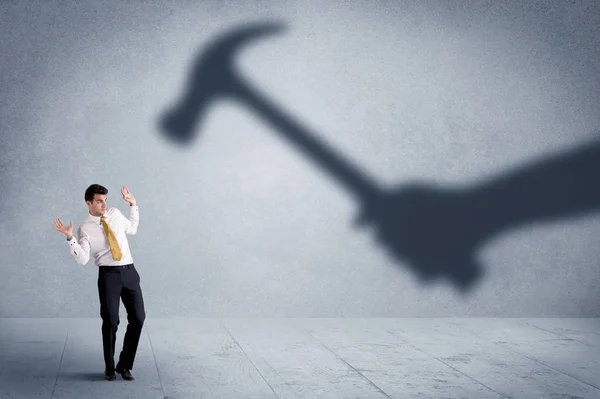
(308, 358)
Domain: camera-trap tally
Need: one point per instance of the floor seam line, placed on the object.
(559, 334)
(255, 367)
(448, 365)
(545, 365)
(349, 365)
(156, 365)
(59, 365)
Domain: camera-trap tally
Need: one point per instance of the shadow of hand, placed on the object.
(429, 228)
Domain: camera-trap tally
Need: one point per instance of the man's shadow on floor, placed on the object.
(435, 231)
(82, 376)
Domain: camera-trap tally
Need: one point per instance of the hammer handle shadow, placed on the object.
(341, 169)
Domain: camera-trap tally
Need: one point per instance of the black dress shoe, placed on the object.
(125, 373)
(109, 376)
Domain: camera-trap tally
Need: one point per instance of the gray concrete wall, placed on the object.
(469, 130)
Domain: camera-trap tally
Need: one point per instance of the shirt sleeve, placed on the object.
(80, 247)
(131, 222)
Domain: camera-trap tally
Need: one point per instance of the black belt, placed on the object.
(108, 268)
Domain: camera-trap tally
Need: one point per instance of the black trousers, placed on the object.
(120, 283)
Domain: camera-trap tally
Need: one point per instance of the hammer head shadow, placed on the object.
(213, 76)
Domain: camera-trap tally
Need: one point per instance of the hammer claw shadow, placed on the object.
(434, 231)
(211, 77)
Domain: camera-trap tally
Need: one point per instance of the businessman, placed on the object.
(102, 235)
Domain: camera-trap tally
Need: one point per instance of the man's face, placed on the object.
(98, 205)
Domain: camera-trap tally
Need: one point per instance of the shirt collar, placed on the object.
(95, 219)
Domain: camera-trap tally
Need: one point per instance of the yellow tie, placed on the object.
(112, 240)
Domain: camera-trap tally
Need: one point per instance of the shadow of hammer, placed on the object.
(392, 212)
(214, 77)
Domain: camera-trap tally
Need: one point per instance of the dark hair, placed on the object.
(94, 189)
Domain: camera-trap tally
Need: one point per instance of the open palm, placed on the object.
(66, 230)
(127, 196)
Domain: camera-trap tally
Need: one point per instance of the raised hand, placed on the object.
(127, 196)
(66, 230)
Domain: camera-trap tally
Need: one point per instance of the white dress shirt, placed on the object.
(91, 238)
